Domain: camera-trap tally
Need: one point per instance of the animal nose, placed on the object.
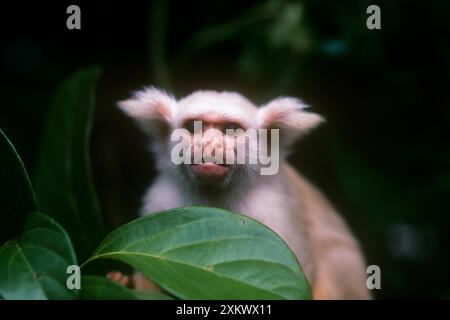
(212, 137)
(212, 142)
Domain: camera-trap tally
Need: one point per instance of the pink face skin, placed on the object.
(212, 138)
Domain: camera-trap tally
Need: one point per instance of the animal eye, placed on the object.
(189, 126)
(231, 126)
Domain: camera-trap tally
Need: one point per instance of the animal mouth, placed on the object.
(210, 171)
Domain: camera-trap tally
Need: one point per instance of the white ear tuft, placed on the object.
(288, 115)
(152, 108)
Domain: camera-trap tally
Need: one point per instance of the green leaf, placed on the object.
(208, 253)
(63, 175)
(101, 288)
(17, 197)
(35, 267)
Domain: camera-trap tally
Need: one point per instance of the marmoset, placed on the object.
(280, 198)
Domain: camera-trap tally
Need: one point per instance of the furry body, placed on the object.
(286, 202)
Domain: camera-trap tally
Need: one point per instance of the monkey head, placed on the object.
(213, 139)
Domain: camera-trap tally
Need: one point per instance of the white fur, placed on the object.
(285, 202)
(221, 104)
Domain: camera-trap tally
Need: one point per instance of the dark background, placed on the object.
(382, 158)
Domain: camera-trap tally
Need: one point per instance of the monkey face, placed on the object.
(212, 152)
(209, 156)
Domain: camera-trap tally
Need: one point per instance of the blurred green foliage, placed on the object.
(382, 157)
(62, 181)
(192, 252)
